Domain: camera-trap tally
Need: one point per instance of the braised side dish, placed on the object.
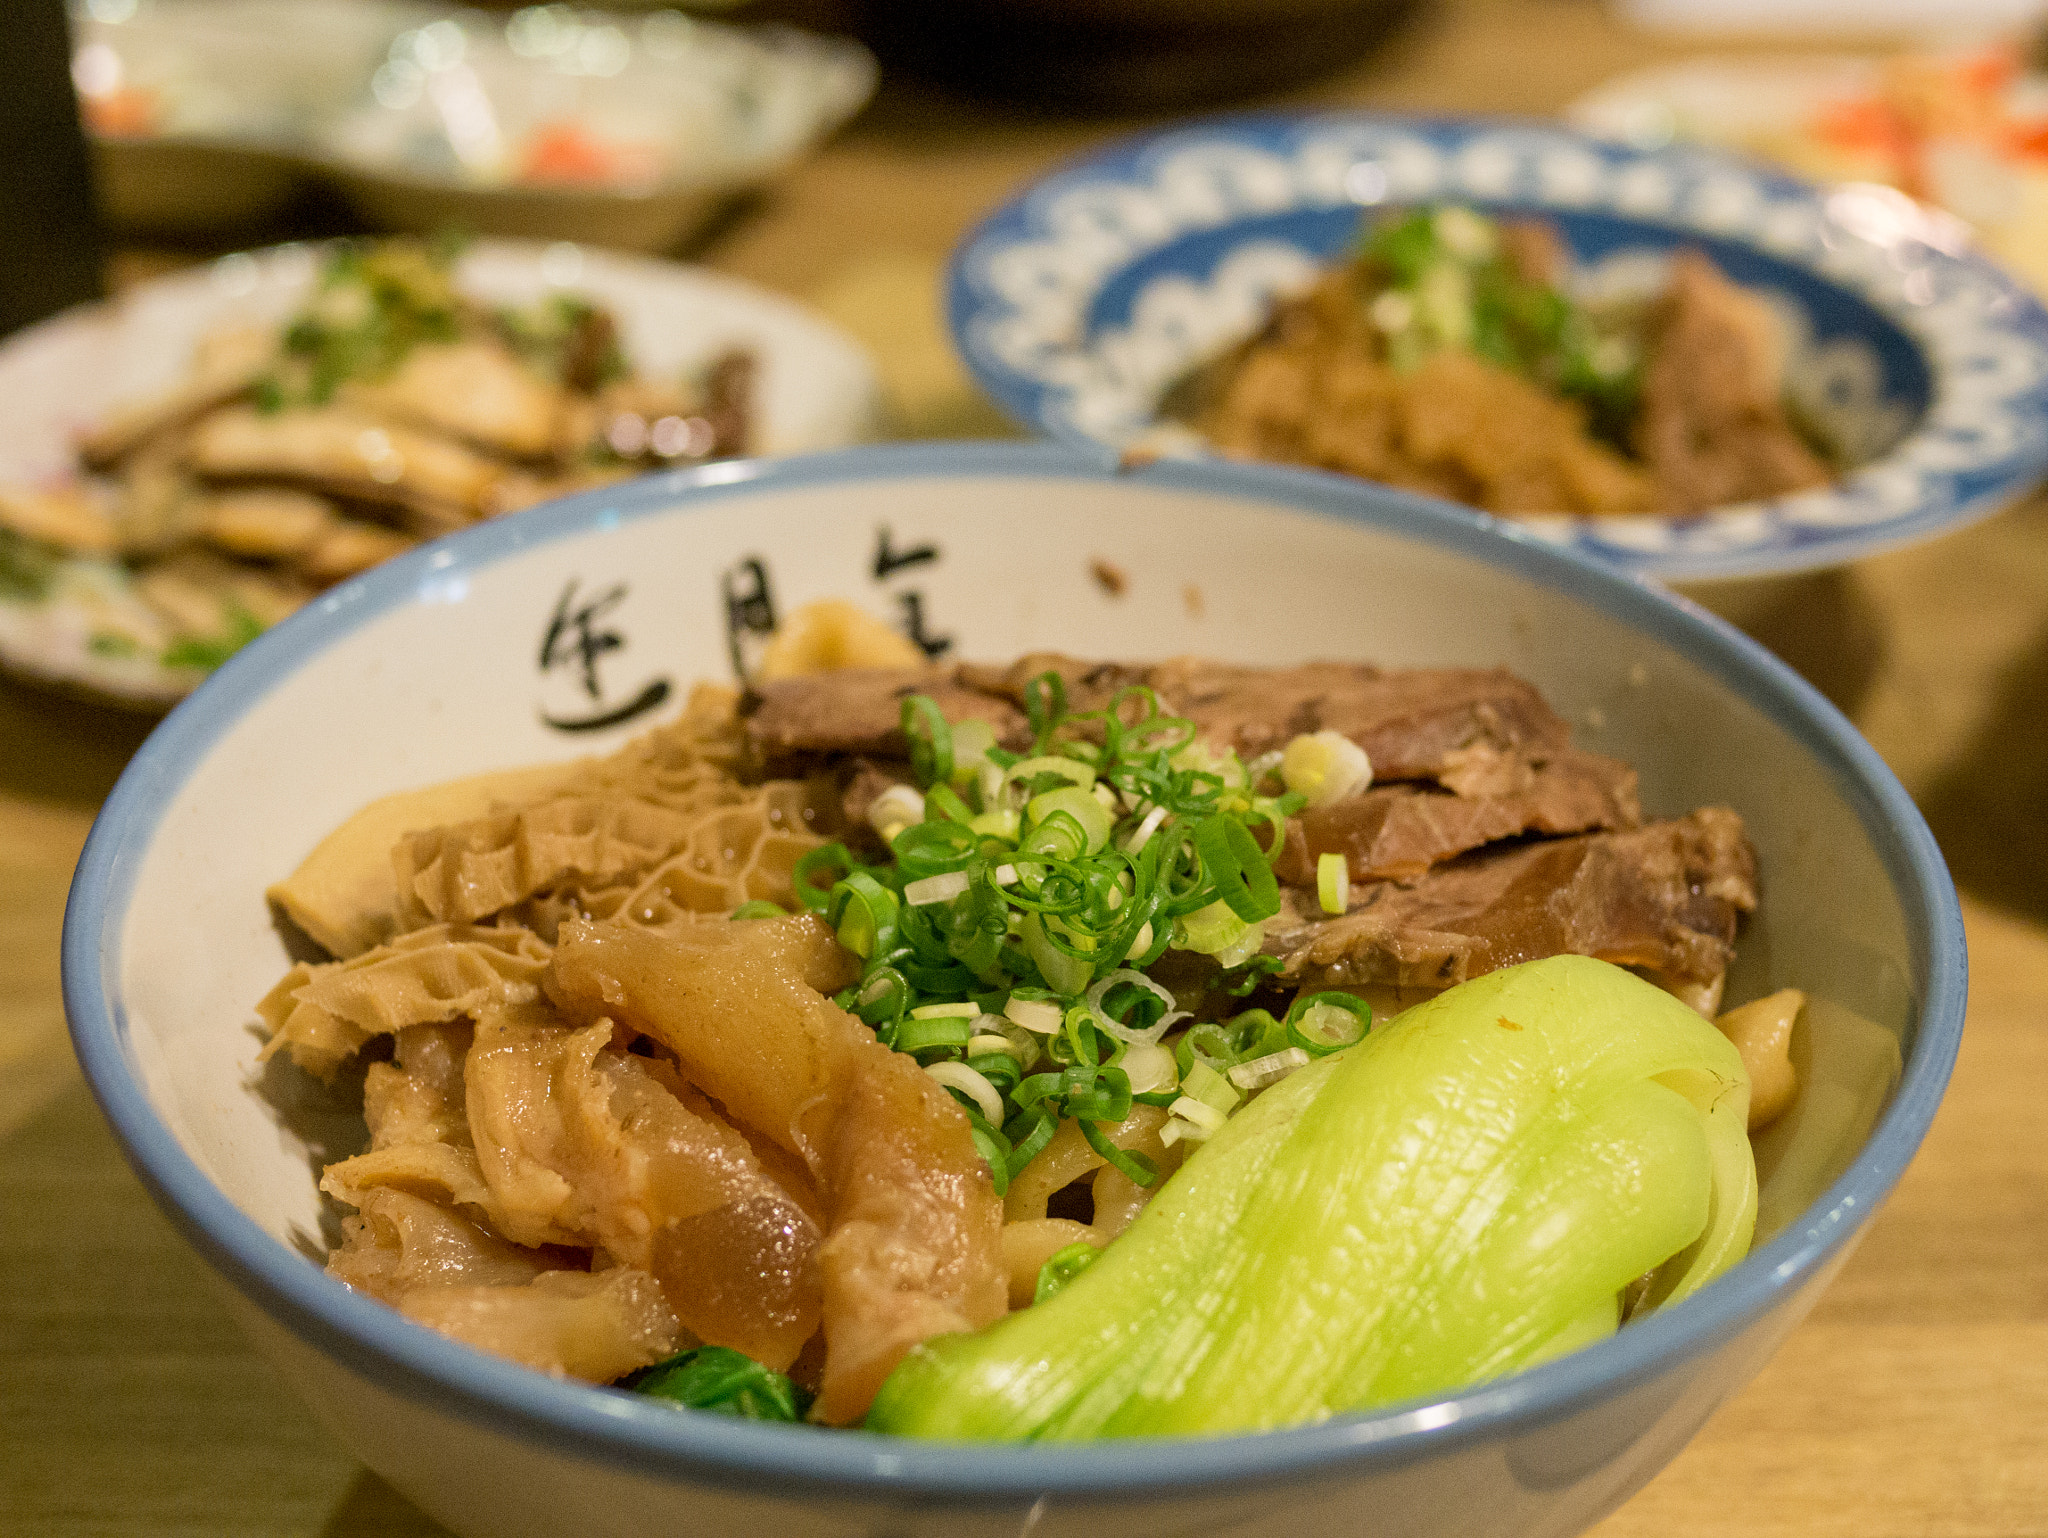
(1450, 355)
(392, 409)
(978, 1050)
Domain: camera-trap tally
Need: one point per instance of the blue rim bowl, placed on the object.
(603, 1427)
(1076, 302)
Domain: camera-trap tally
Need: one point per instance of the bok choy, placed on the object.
(1469, 1191)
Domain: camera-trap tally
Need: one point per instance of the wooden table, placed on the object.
(1913, 1402)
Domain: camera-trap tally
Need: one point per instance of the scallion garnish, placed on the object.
(1005, 944)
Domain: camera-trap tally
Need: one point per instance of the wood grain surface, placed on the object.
(1913, 1402)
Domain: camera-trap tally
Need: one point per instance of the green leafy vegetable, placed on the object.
(1439, 277)
(724, 1382)
(209, 652)
(1461, 1195)
(374, 302)
(27, 567)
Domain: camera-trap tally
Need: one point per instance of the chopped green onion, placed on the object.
(1322, 1023)
(1061, 1267)
(944, 801)
(1072, 770)
(863, 912)
(931, 740)
(1232, 858)
(972, 740)
(915, 1035)
(1270, 1069)
(1028, 1134)
(895, 809)
(881, 996)
(1041, 1015)
(994, 1149)
(1134, 1165)
(1204, 1084)
(1097, 1094)
(826, 857)
(1062, 972)
(1150, 1068)
(1242, 949)
(943, 887)
(959, 1076)
(1090, 814)
(1200, 1112)
(1324, 767)
(1333, 883)
(1209, 930)
(965, 1007)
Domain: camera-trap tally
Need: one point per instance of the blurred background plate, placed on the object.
(1083, 299)
(815, 389)
(552, 122)
(1966, 129)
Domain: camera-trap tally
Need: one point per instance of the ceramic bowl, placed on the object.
(427, 668)
(1079, 301)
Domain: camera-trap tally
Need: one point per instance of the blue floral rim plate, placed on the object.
(1078, 302)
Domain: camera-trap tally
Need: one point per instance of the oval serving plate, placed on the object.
(815, 390)
(1078, 302)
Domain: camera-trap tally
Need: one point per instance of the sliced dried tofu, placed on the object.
(66, 517)
(207, 597)
(520, 489)
(160, 506)
(349, 453)
(345, 895)
(191, 591)
(225, 364)
(350, 546)
(473, 390)
(266, 523)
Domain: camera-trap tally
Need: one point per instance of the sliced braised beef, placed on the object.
(859, 712)
(1485, 840)
(1665, 897)
(1414, 723)
(1090, 685)
(1398, 831)
(1410, 721)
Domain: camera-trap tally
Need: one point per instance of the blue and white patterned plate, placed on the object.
(1080, 300)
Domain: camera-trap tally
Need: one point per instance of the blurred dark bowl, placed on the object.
(1125, 55)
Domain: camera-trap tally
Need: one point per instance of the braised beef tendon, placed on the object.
(913, 1235)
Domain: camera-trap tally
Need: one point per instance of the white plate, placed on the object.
(815, 389)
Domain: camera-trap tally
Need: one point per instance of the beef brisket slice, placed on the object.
(1415, 723)
(1410, 721)
(1398, 831)
(1665, 897)
(798, 721)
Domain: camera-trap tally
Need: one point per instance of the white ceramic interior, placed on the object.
(426, 670)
